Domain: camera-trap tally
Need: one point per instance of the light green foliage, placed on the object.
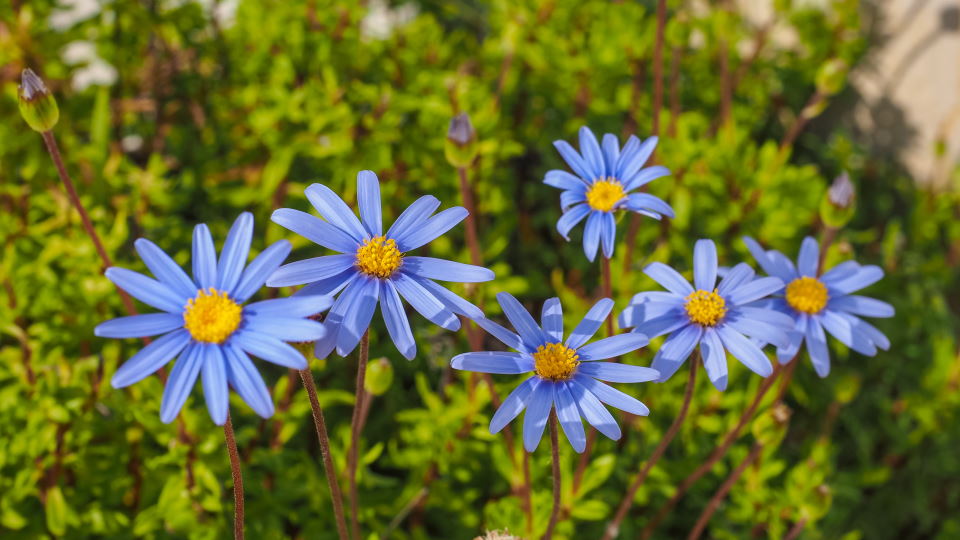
(206, 120)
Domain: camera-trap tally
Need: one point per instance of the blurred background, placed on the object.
(175, 112)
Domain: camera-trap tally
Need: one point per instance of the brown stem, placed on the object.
(471, 222)
(237, 479)
(674, 91)
(555, 453)
(614, 528)
(355, 433)
(718, 452)
(527, 492)
(801, 121)
(328, 467)
(54, 151)
(795, 531)
(829, 235)
(718, 497)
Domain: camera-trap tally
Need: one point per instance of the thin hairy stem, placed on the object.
(328, 468)
(355, 433)
(237, 479)
(614, 527)
(718, 497)
(555, 455)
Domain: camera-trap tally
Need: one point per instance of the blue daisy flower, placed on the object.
(817, 303)
(565, 374)
(716, 317)
(602, 185)
(205, 323)
(373, 266)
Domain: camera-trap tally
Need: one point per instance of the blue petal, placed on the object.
(150, 358)
(368, 199)
(591, 235)
(675, 350)
(214, 381)
(705, 265)
(638, 313)
(840, 272)
(608, 233)
(315, 229)
(286, 328)
(736, 276)
(596, 414)
(714, 358)
(535, 419)
(147, 290)
(444, 270)
(165, 269)
(807, 260)
(765, 261)
(570, 218)
(817, 347)
(414, 216)
(760, 328)
(235, 252)
(569, 416)
(573, 159)
(620, 373)
(329, 286)
(310, 270)
(646, 176)
(269, 348)
(663, 325)
(863, 277)
(432, 228)
(453, 302)
(334, 210)
(180, 383)
(246, 381)
(755, 290)
(505, 336)
(135, 326)
(356, 320)
(668, 278)
(425, 303)
(294, 306)
(645, 201)
(611, 153)
(522, 322)
(861, 305)
(843, 330)
(503, 363)
(786, 354)
(513, 405)
(635, 154)
(551, 319)
(590, 324)
(204, 257)
(563, 180)
(611, 396)
(613, 346)
(256, 274)
(744, 350)
(396, 321)
(868, 330)
(591, 153)
(571, 198)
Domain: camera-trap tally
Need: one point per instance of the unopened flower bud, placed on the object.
(379, 376)
(37, 105)
(832, 76)
(461, 146)
(839, 202)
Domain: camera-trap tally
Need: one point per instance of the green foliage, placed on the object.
(208, 117)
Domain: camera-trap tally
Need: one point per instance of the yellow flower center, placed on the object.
(604, 194)
(555, 361)
(705, 308)
(807, 294)
(212, 316)
(379, 257)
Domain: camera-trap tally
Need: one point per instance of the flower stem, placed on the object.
(471, 222)
(555, 453)
(718, 452)
(829, 235)
(355, 433)
(796, 530)
(237, 479)
(54, 150)
(320, 424)
(614, 528)
(717, 498)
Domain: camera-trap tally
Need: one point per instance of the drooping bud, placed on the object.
(832, 76)
(839, 202)
(461, 146)
(379, 376)
(37, 105)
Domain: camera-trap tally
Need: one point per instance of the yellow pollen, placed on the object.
(212, 316)
(807, 294)
(555, 361)
(705, 308)
(379, 257)
(604, 194)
